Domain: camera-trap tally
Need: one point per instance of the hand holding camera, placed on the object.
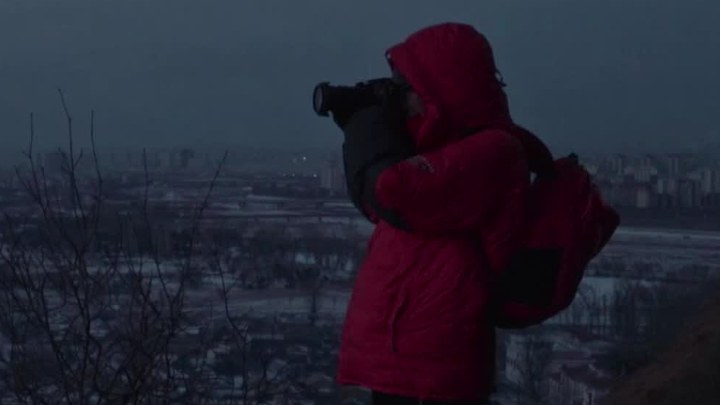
(344, 101)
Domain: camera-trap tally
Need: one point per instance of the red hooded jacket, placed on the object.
(420, 321)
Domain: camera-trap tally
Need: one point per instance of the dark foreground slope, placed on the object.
(687, 374)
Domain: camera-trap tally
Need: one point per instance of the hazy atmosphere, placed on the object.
(223, 244)
(610, 76)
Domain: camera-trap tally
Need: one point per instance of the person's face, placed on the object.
(413, 103)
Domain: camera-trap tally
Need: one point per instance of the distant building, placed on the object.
(332, 178)
(164, 159)
(667, 191)
(618, 164)
(645, 173)
(687, 193)
(627, 193)
(673, 165)
(710, 181)
(648, 161)
(185, 158)
(643, 196)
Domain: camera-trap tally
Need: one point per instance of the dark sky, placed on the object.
(585, 75)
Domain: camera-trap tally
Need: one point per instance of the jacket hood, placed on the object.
(452, 68)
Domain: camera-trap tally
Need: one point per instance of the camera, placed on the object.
(383, 91)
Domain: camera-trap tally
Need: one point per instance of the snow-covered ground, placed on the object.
(266, 303)
(672, 249)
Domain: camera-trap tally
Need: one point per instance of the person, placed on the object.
(446, 184)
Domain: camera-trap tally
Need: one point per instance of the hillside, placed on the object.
(686, 374)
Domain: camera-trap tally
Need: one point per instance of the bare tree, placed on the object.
(268, 383)
(643, 328)
(532, 363)
(91, 316)
(624, 310)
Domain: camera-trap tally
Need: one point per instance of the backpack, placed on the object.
(568, 224)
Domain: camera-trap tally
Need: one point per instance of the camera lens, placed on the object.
(319, 99)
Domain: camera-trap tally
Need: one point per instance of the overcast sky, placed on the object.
(585, 75)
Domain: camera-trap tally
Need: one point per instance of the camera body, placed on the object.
(382, 91)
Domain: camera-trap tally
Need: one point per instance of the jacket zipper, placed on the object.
(394, 316)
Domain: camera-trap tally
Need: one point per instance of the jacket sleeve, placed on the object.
(372, 145)
(477, 183)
